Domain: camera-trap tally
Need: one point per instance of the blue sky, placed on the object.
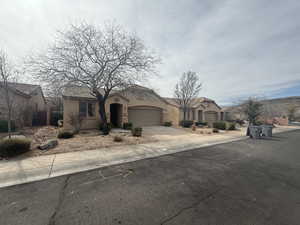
(291, 91)
(239, 48)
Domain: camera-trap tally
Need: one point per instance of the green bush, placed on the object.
(215, 130)
(168, 124)
(186, 123)
(55, 117)
(65, 134)
(127, 126)
(201, 123)
(221, 125)
(231, 126)
(14, 146)
(137, 132)
(4, 126)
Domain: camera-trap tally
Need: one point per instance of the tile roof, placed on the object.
(26, 89)
(195, 102)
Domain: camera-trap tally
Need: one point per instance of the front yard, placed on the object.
(93, 139)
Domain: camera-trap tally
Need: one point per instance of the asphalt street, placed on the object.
(251, 182)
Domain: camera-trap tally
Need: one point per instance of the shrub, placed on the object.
(137, 132)
(65, 134)
(118, 139)
(14, 146)
(231, 126)
(75, 119)
(186, 123)
(201, 123)
(55, 117)
(215, 130)
(219, 125)
(168, 124)
(4, 126)
(104, 129)
(127, 126)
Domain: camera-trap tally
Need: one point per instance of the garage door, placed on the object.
(144, 116)
(211, 117)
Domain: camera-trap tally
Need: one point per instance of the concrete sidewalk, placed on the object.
(38, 168)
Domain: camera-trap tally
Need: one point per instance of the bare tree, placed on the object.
(252, 108)
(186, 90)
(99, 59)
(7, 76)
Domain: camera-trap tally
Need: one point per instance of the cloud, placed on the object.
(239, 48)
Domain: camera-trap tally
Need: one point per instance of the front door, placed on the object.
(116, 115)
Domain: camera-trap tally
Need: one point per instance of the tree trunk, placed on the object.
(184, 113)
(9, 124)
(101, 103)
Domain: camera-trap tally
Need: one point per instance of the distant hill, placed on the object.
(279, 106)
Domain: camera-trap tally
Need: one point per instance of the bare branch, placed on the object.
(187, 89)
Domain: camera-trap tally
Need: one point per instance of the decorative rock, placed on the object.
(60, 123)
(48, 145)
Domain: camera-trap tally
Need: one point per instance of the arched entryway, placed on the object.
(116, 111)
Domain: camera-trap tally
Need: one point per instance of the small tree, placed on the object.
(252, 109)
(291, 111)
(99, 59)
(186, 90)
(7, 76)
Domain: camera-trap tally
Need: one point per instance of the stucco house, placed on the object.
(139, 105)
(29, 104)
(201, 110)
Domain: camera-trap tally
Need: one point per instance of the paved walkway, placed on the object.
(38, 168)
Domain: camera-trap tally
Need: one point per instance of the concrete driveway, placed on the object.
(162, 133)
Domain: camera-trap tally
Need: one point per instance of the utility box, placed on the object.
(255, 132)
(267, 130)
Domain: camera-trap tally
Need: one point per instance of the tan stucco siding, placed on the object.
(148, 98)
(37, 101)
(117, 100)
(19, 104)
(72, 107)
(172, 115)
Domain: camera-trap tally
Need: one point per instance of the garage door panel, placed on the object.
(144, 116)
(211, 117)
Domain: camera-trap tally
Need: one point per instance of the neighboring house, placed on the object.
(28, 104)
(139, 105)
(234, 113)
(201, 110)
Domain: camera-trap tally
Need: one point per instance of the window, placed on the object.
(82, 109)
(86, 109)
(91, 109)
